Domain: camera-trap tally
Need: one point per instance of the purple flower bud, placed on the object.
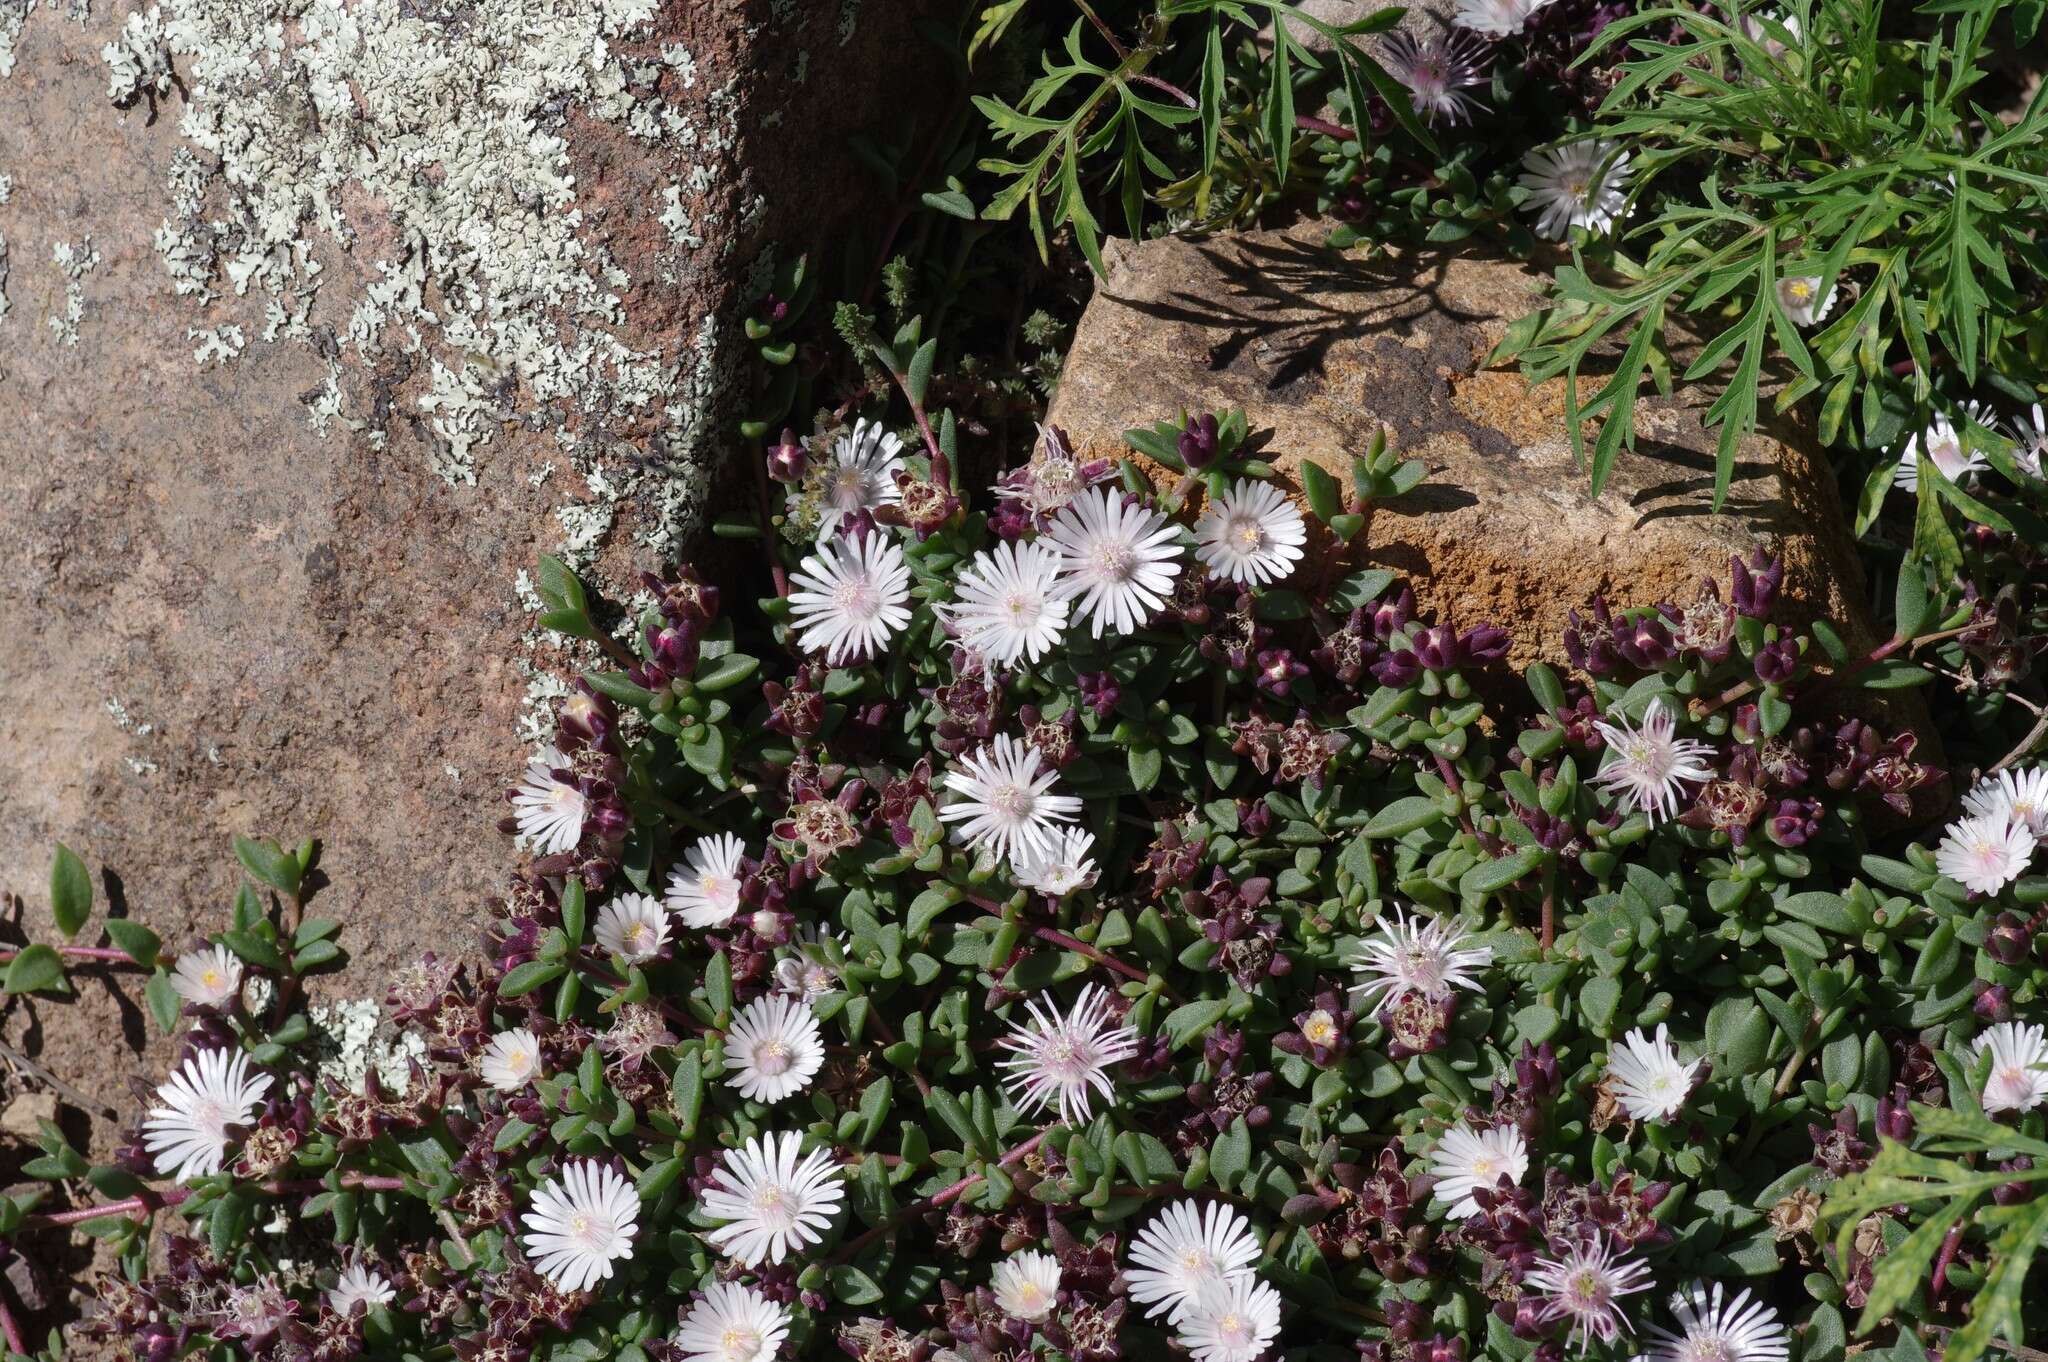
(674, 648)
(1278, 671)
(1391, 617)
(1483, 643)
(1756, 583)
(1776, 662)
(2008, 940)
(1645, 642)
(1099, 691)
(1994, 1004)
(1794, 822)
(1398, 668)
(2019, 1189)
(1436, 649)
(787, 459)
(1198, 443)
(1895, 1115)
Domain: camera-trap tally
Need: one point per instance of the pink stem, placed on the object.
(107, 953)
(172, 1196)
(15, 1342)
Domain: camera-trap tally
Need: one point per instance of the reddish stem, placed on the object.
(15, 1342)
(1949, 1246)
(1073, 943)
(105, 953)
(172, 1196)
(1325, 127)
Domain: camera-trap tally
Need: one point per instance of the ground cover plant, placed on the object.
(1031, 905)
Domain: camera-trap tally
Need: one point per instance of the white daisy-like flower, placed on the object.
(1753, 29)
(2019, 1066)
(1027, 1285)
(1005, 803)
(211, 1091)
(706, 892)
(1186, 1249)
(1648, 768)
(732, 1323)
(208, 978)
(1060, 1059)
(1713, 1328)
(1647, 1077)
(1800, 297)
(1985, 852)
(582, 1222)
(1942, 445)
(860, 475)
(633, 927)
(1008, 603)
(1119, 558)
(850, 597)
(774, 1048)
(1496, 18)
(2016, 796)
(1234, 1321)
(1251, 534)
(1065, 866)
(1419, 955)
(807, 972)
(1438, 70)
(361, 1285)
(2031, 436)
(547, 808)
(1466, 1160)
(1580, 184)
(511, 1060)
(1586, 1286)
(774, 1202)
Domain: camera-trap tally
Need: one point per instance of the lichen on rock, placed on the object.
(440, 144)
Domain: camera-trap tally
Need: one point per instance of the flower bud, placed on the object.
(787, 460)
(1895, 1116)
(1199, 444)
(1776, 662)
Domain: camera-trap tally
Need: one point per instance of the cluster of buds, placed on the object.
(1232, 1089)
(1364, 642)
(1246, 942)
(1407, 1341)
(1865, 761)
(1172, 859)
(685, 608)
(1372, 1211)
(968, 709)
(1537, 1084)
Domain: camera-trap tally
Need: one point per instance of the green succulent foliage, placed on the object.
(1811, 143)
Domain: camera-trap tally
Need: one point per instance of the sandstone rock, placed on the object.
(264, 527)
(24, 1114)
(1322, 349)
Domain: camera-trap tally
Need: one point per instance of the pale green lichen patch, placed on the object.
(74, 262)
(137, 61)
(440, 141)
